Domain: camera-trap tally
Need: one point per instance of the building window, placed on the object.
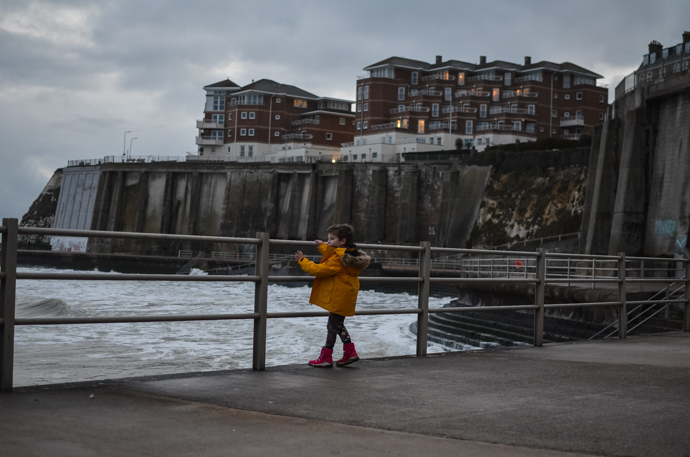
(243, 115)
(664, 53)
(300, 103)
(366, 92)
(251, 151)
(495, 95)
(517, 126)
(567, 96)
(415, 78)
(354, 156)
(329, 136)
(578, 96)
(566, 114)
(218, 102)
(364, 157)
(365, 125)
(374, 155)
(342, 121)
(578, 114)
(530, 109)
(366, 107)
(251, 132)
(277, 100)
(359, 107)
(482, 110)
(448, 94)
(468, 127)
(461, 78)
(529, 127)
(359, 126)
(401, 93)
(276, 134)
(243, 132)
(229, 133)
(420, 126)
(359, 92)
(217, 135)
(228, 149)
(438, 141)
(434, 110)
(507, 79)
(601, 116)
(601, 99)
(566, 81)
(554, 113)
(252, 115)
(241, 151)
(277, 117)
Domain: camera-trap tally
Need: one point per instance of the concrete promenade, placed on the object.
(613, 398)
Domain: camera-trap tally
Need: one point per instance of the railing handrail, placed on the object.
(532, 271)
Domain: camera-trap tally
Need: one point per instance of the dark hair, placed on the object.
(343, 231)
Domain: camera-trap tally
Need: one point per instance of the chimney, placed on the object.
(482, 60)
(528, 60)
(439, 59)
(655, 46)
(686, 37)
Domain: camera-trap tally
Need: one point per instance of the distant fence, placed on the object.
(513, 267)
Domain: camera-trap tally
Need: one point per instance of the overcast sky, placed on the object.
(75, 75)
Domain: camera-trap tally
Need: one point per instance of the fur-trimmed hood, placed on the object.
(355, 258)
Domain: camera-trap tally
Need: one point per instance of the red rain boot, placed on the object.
(349, 355)
(325, 359)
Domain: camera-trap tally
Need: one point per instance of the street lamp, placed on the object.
(130, 146)
(124, 143)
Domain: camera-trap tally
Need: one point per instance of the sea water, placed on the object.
(48, 354)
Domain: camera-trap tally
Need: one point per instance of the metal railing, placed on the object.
(531, 269)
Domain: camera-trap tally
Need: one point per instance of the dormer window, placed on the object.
(664, 53)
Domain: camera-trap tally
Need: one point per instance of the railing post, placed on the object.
(686, 317)
(261, 303)
(539, 298)
(423, 297)
(8, 288)
(622, 297)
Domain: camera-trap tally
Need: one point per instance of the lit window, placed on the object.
(461, 78)
(300, 103)
(496, 95)
(420, 126)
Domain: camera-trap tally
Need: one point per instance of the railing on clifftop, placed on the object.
(519, 268)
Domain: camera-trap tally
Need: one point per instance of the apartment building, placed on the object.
(266, 121)
(406, 105)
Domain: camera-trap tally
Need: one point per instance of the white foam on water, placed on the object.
(64, 353)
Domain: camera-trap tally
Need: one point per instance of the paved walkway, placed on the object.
(618, 397)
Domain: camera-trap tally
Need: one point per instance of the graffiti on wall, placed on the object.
(665, 227)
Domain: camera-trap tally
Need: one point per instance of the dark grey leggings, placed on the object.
(336, 326)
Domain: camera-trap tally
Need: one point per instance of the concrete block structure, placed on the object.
(640, 165)
(406, 105)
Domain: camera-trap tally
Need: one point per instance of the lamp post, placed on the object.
(130, 146)
(124, 143)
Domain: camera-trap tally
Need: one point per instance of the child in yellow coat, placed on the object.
(335, 288)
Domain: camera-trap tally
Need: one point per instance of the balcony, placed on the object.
(485, 78)
(208, 141)
(577, 121)
(410, 108)
(298, 136)
(571, 136)
(306, 121)
(472, 93)
(208, 124)
(427, 92)
(443, 76)
(387, 126)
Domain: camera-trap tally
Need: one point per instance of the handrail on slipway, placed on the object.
(515, 267)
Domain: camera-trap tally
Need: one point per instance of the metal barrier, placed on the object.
(611, 270)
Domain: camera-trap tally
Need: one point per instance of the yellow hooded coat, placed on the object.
(337, 284)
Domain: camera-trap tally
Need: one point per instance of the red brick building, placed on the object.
(270, 122)
(406, 105)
